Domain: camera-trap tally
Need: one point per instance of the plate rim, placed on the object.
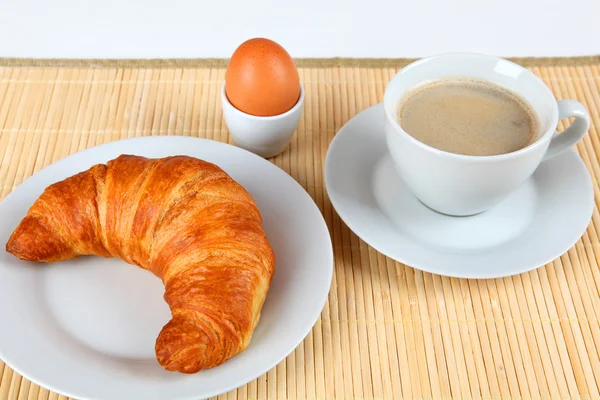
(346, 218)
(323, 227)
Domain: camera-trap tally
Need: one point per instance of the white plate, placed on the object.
(536, 224)
(86, 328)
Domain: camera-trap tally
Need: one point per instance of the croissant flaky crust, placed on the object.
(181, 218)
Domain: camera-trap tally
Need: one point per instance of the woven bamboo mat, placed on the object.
(388, 331)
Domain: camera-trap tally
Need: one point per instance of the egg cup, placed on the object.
(265, 136)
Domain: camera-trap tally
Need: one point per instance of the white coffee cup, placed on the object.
(462, 185)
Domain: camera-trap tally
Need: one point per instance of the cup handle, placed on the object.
(574, 133)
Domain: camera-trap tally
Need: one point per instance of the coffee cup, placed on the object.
(462, 185)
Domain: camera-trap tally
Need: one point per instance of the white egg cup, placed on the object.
(265, 136)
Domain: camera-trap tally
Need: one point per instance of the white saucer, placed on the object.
(535, 225)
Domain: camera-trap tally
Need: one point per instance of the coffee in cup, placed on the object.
(468, 116)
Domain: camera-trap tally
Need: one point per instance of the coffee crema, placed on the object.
(468, 116)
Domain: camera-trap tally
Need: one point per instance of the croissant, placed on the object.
(181, 218)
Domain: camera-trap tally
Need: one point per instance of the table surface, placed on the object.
(387, 331)
(307, 28)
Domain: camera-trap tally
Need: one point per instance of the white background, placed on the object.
(307, 28)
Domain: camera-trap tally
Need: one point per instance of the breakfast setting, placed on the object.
(287, 216)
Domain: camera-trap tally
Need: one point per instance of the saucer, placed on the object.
(533, 226)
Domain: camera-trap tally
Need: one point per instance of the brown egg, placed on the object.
(262, 79)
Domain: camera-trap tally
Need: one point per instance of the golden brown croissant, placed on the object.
(181, 218)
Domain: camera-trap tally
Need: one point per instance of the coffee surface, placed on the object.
(467, 116)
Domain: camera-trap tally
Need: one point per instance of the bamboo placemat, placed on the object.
(387, 331)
